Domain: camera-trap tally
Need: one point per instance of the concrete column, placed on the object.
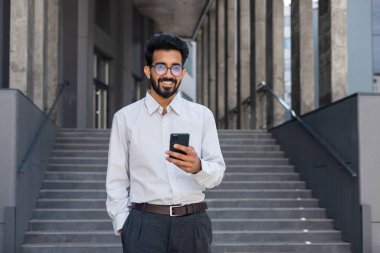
(52, 52)
(4, 43)
(84, 61)
(231, 62)
(275, 60)
(211, 61)
(332, 51)
(302, 56)
(221, 61)
(244, 62)
(199, 81)
(258, 62)
(39, 53)
(205, 65)
(21, 46)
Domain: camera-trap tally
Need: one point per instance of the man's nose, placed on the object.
(169, 74)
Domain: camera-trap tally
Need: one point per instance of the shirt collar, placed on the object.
(176, 103)
(152, 105)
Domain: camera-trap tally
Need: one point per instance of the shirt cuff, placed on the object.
(119, 221)
(202, 175)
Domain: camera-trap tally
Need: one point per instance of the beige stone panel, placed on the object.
(277, 64)
(231, 41)
(199, 81)
(20, 43)
(245, 61)
(211, 61)
(339, 61)
(259, 17)
(52, 47)
(221, 60)
(302, 57)
(333, 66)
(39, 53)
(205, 68)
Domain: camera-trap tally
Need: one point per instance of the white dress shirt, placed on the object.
(137, 167)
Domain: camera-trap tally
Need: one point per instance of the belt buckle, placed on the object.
(171, 211)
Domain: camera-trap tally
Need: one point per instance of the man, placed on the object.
(155, 196)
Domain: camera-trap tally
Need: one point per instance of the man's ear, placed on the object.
(147, 72)
(183, 72)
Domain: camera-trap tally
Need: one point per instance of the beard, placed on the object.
(163, 91)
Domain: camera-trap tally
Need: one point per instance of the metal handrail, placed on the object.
(263, 87)
(25, 161)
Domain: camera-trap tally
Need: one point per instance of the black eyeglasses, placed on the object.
(161, 69)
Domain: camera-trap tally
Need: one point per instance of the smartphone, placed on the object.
(179, 138)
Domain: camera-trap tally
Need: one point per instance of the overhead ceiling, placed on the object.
(179, 17)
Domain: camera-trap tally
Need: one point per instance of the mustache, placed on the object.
(163, 79)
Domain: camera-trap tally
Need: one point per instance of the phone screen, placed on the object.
(179, 138)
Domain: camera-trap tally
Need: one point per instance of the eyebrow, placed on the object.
(174, 64)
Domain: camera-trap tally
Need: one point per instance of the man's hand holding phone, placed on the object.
(183, 155)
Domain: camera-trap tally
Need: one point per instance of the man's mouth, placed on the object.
(167, 82)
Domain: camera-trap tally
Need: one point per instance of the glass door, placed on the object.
(101, 86)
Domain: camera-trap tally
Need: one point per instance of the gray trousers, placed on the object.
(155, 233)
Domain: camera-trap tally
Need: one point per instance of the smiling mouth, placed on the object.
(167, 83)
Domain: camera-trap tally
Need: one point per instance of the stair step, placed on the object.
(214, 213)
(79, 160)
(81, 146)
(100, 184)
(73, 213)
(256, 161)
(243, 141)
(218, 236)
(73, 225)
(72, 193)
(266, 213)
(252, 154)
(98, 236)
(250, 176)
(211, 193)
(258, 193)
(71, 203)
(62, 247)
(261, 185)
(77, 167)
(93, 140)
(245, 148)
(80, 153)
(73, 175)
(300, 247)
(243, 168)
(271, 224)
(330, 247)
(74, 184)
(276, 236)
(231, 176)
(262, 203)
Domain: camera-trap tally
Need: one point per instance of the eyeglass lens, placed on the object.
(161, 69)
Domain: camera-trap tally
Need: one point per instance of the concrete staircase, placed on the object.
(261, 206)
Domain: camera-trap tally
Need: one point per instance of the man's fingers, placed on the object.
(183, 148)
(179, 163)
(177, 155)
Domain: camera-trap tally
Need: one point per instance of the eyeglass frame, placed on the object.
(167, 68)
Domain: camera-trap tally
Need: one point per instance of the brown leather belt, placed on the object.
(175, 210)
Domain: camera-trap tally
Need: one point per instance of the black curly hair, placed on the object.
(165, 41)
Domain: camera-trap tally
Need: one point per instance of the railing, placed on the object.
(25, 161)
(265, 88)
